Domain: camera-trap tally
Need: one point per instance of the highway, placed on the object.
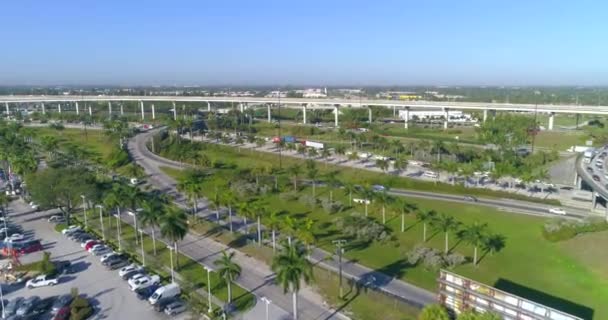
(597, 186)
(321, 103)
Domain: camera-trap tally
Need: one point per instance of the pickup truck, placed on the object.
(41, 281)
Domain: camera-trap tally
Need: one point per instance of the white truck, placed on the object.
(41, 281)
(164, 292)
(143, 282)
(587, 155)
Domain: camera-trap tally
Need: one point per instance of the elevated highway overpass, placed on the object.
(585, 172)
(314, 103)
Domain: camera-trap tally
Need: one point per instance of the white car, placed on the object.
(101, 251)
(107, 256)
(41, 281)
(70, 229)
(143, 282)
(56, 219)
(129, 268)
(136, 277)
(14, 237)
(557, 211)
(34, 205)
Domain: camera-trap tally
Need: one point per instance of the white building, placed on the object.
(276, 94)
(313, 93)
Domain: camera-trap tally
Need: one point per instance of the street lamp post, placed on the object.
(143, 253)
(103, 232)
(171, 258)
(267, 302)
(84, 210)
(117, 215)
(339, 244)
(2, 301)
(210, 309)
(134, 215)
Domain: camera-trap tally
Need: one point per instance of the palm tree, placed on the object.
(174, 226)
(494, 243)
(291, 267)
(382, 164)
(150, 215)
(294, 171)
(331, 179)
(216, 202)
(445, 224)
(113, 199)
(368, 194)
(406, 208)
(426, 217)
(349, 189)
(353, 156)
(228, 270)
(305, 233)
(383, 199)
(192, 187)
(258, 211)
(274, 223)
(229, 199)
(313, 173)
(474, 235)
(134, 170)
(289, 226)
(325, 154)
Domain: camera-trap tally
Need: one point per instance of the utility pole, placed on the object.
(339, 247)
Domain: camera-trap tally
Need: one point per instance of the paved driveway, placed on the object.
(110, 295)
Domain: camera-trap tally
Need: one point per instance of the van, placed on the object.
(431, 174)
(361, 201)
(164, 292)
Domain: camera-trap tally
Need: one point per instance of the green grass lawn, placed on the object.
(560, 140)
(95, 141)
(527, 260)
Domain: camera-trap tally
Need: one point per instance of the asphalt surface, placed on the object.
(597, 186)
(109, 294)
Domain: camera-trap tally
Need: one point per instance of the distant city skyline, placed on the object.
(314, 43)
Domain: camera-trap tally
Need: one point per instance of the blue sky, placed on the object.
(331, 42)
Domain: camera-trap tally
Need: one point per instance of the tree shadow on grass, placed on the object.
(240, 241)
(545, 299)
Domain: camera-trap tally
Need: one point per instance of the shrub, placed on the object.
(331, 206)
(564, 229)
(433, 259)
(362, 228)
(308, 200)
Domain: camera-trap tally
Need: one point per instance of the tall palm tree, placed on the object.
(405, 207)
(216, 202)
(114, 199)
(150, 215)
(313, 173)
(305, 233)
(368, 194)
(229, 199)
(258, 211)
(274, 223)
(382, 164)
(426, 217)
(228, 270)
(349, 189)
(291, 267)
(174, 226)
(445, 224)
(474, 235)
(192, 187)
(332, 182)
(383, 199)
(295, 171)
(290, 227)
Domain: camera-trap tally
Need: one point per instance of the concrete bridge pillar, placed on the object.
(59, 107)
(90, 112)
(110, 109)
(7, 110)
(446, 115)
(370, 115)
(304, 114)
(208, 106)
(153, 114)
(143, 115)
(268, 112)
(43, 110)
(394, 112)
(406, 118)
(77, 111)
(241, 107)
(485, 115)
(336, 112)
(122, 109)
(174, 111)
(551, 118)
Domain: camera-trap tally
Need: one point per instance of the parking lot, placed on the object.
(108, 293)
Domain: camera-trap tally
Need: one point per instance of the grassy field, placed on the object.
(529, 265)
(95, 141)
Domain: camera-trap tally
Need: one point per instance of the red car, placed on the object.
(62, 314)
(90, 245)
(30, 247)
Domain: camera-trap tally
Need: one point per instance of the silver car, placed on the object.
(27, 305)
(174, 308)
(12, 305)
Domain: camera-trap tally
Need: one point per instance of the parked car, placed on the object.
(557, 211)
(161, 305)
(15, 237)
(175, 307)
(107, 256)
(75, 234)
(129, 270)
(470, 198)
(88, 241)
(41, 281)
(596, 178)
(39, 308)
(62, 301)
(165, 292)
(145, 293)
(90, 244)
(12, 306)
(29, 247)
(63, 267)
(100, 251)
(63, 313)
(56, 219)
(70, 229)
(115, 264)
(378, 188)
(144, 282)
(27, 305)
